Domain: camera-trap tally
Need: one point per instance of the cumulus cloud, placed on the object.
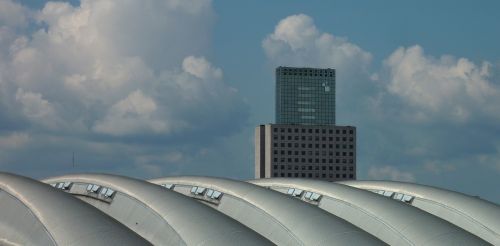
(296, 41)
(113, 71)
(13, 14)
(14, 140)
(390, 173)
(132, 115)
(444, 88)
(118, 68)
(36, 109)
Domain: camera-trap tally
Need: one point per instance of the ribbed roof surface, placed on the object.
(101, 209)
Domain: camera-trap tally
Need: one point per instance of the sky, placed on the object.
(154, 88)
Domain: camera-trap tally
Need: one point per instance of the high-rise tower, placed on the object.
(305, 142)
(305, 96)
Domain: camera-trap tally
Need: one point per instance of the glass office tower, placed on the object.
(305, 96)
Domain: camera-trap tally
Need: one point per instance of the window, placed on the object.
(199, 191)
(168, 186)
(216, 195)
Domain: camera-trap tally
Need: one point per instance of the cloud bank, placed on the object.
(113, 71)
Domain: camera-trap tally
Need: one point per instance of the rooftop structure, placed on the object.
(99, 209)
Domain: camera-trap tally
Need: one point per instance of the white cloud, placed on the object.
(132, 115)
(14, 140)
(201, 68)
(116, 68)
(13, 14)
(390, 173)
(37, 109)
(437, 168)
(296, 41)
(441, 88)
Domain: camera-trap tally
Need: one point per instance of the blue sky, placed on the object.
(155, 88)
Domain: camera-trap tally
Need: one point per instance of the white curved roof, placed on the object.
(99, 209)
(282, 219)
(475, 215)
(185, 221)
(393, 222)
(54, 213)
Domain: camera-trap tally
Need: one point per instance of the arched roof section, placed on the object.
(43, 209)
(281, 219)
(475, 215)
(393, 222)
(173, 219)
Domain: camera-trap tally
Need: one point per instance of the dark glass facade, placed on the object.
(305, 96)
